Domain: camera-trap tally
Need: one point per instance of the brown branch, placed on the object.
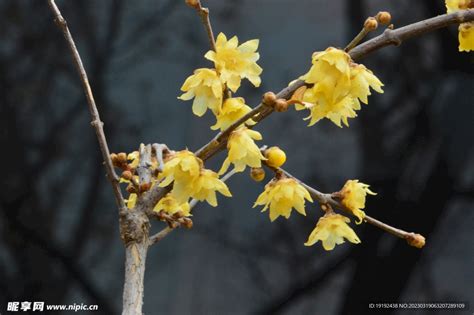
(324, 199)
(389, 37)
(96, 123)
(397, 36)
(204, 15)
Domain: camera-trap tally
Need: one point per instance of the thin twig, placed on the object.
(96, 122)
(323, 199)
(159, 236)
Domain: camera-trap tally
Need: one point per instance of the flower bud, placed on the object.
(371, 24)
(269, 98)
(187, 223)
(383, 17)
(127, 175)
(276, 157)
(257, 174)
(145, 187)
(122, 158)
(113, 157)
(416, 240)
(193, 3)
(280, 105)
(131, 189)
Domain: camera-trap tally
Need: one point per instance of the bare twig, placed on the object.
(159, 150)
(159, 236)
(96, 123)
(204, 15)
(143, 169)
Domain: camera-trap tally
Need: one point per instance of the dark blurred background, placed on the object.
(59, 238)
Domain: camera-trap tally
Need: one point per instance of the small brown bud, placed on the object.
(178, 214)
(371, 24)
(145, 187)
(257, 174)
(113, 157)
(173, 224)
(269, 98)
(161, 215)
(193, 3)
(187, 223)
(383, 17)
(416, 240)
(131, 189)
(280, 105)
(127, 175)
(122, 158)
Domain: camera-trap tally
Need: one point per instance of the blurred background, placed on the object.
(59, 239)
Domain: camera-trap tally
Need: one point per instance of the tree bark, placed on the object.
(135, 258)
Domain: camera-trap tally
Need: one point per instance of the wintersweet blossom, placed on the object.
(182, 169)
(331, 230)
(234, 62)
(206, 88)
(282, 196)
(353, 197)
(466, 30)
(242, 150)
(170, 205)
(339, 85)
(233, 109)
(207, 184)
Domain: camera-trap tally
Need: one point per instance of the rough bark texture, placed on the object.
(135, 258)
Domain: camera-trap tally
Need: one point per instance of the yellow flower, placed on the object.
(206, 88)
(242, 150)
(353, 197)
(131, 201)
(170, 205)
(338, 87)
(206, 186)
(282, 196)
(466, 30)
(134, 159)
(456, 5)
(466, 36)
(331, 229)
(182, 168)
(232, 110)
(234, 62)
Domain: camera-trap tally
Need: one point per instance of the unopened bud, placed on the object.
(269, 98)
(145, 187)
(178, 214)
(416, 240)
(276, 157)
(371, 24)
(383, 17)
(187, 223)
(127, 175)
(193, 3)
(131, 189)
(280, 105)
(257, 174)
(122, 158)
(113, 157)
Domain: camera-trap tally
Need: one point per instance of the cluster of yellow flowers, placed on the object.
(338, 87)
(466, 30)
(190, 180)
(233, 62)
(283, 194)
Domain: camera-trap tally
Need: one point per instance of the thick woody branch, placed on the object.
(96, 123)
